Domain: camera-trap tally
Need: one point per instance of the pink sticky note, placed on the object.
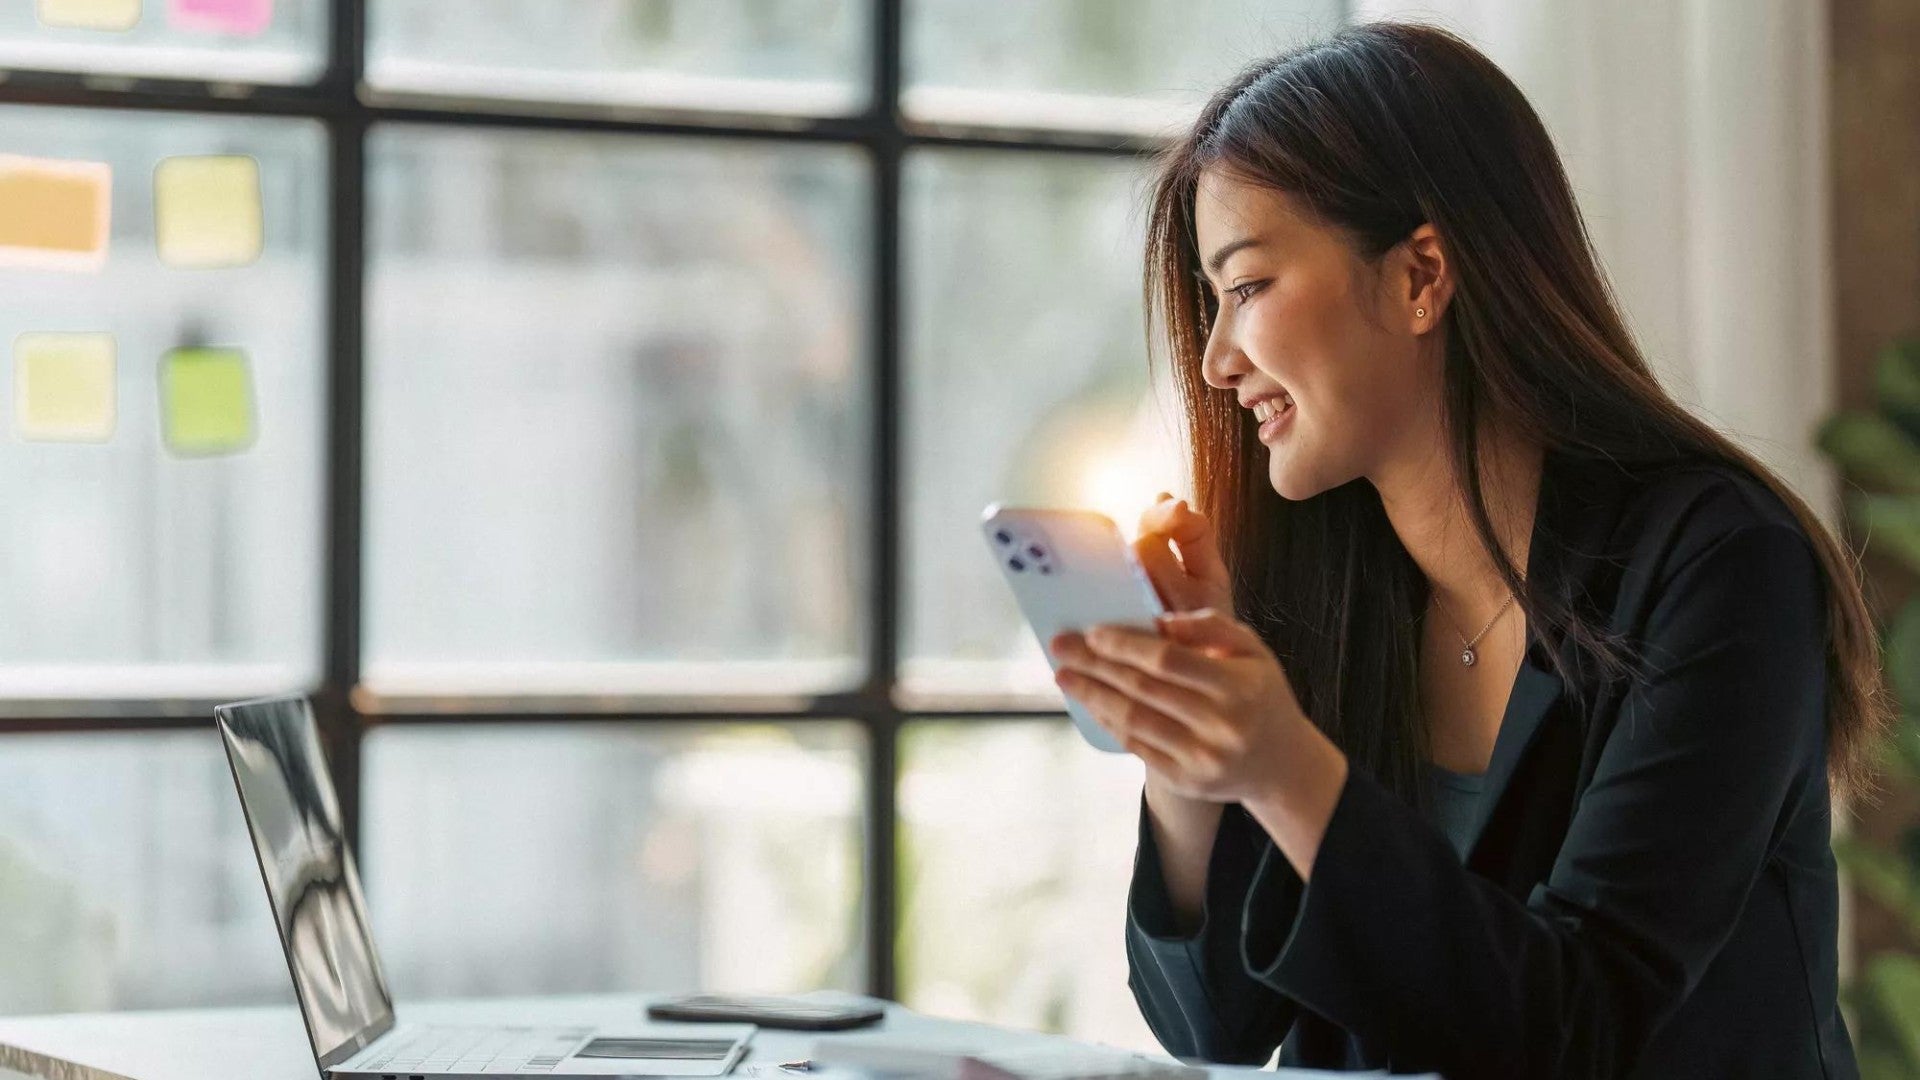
(221, 16)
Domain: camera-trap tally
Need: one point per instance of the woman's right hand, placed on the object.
(1198, 578)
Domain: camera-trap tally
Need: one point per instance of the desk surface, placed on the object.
(269, 1043)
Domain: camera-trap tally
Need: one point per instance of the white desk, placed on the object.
(270, 1043)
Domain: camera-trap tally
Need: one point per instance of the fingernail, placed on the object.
(1164, 496)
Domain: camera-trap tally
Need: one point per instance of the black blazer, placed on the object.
(1651, 889)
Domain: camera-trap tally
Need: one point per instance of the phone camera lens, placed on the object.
(1036, 551)
(1003, 536)
(1016, 563)
(1045, 569)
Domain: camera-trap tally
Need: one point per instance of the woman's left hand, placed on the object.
(1204, 703)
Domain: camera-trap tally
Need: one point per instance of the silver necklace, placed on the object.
(1467, 655)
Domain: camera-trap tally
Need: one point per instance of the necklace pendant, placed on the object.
(1466, 656)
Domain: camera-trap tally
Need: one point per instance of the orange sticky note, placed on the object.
(63, 387)
(206, 211)
(54, 214)
(89, 14)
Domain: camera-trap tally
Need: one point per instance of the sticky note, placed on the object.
(206, 401)
(221, 16)
(206, 211)
(53, 213)
(63, 387)
(89, 14)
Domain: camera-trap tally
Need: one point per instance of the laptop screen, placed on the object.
(294, 818)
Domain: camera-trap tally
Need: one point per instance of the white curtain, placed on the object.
(1694, 132)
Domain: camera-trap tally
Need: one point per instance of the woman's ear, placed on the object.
(1428, 276)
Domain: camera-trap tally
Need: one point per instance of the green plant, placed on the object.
(1882, 448)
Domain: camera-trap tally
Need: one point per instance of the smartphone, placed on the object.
(1069, 570)
(767, 1010)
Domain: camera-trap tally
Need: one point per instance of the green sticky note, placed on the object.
(206, 211)
(206, 401)
(63, 387)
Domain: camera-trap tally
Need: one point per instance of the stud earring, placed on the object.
(1419, 313)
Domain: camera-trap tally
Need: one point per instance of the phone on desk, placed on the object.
(1070, 570)
(767, 1010)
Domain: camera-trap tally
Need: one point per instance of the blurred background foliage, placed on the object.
(1880, 447)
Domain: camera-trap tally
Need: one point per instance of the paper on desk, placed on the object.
(817, 1071)
(883, 1057)
(1067, 1061)
(1261, 1072)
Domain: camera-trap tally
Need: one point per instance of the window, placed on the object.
(797, 57)
(1020, 271)
(674, 442)
(634, 857)
(590, 403)
(124, 867)
(1060, 820)
(141, 567)
(241, 41)
(1104, 65)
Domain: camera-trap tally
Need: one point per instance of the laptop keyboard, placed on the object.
(459, 1049)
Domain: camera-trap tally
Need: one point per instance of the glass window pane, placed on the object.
(1020, 834)
(1026, 382)
(804, 57)
(536, 859)
(125, 874)
(616, 432)
(1136, 66)
(135, 564)
(256, 41)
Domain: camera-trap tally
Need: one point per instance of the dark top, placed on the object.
(1456, 798)
(1649, 888)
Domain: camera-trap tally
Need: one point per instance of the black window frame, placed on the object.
(339, 101)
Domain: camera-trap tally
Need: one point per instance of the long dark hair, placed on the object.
(1377, 129)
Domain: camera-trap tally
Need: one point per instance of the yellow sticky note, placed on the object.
(206, 401)
(89, 14)
(206, 211)
(63, 387)
(54, 214)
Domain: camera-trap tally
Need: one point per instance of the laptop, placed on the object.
(293, 815)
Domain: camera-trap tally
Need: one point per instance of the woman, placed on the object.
(1495, 728)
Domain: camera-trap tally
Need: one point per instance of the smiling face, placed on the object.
(1300, 311)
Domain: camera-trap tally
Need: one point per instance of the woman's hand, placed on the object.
(1204, 703)
(1198, 578)
(1207, 706)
